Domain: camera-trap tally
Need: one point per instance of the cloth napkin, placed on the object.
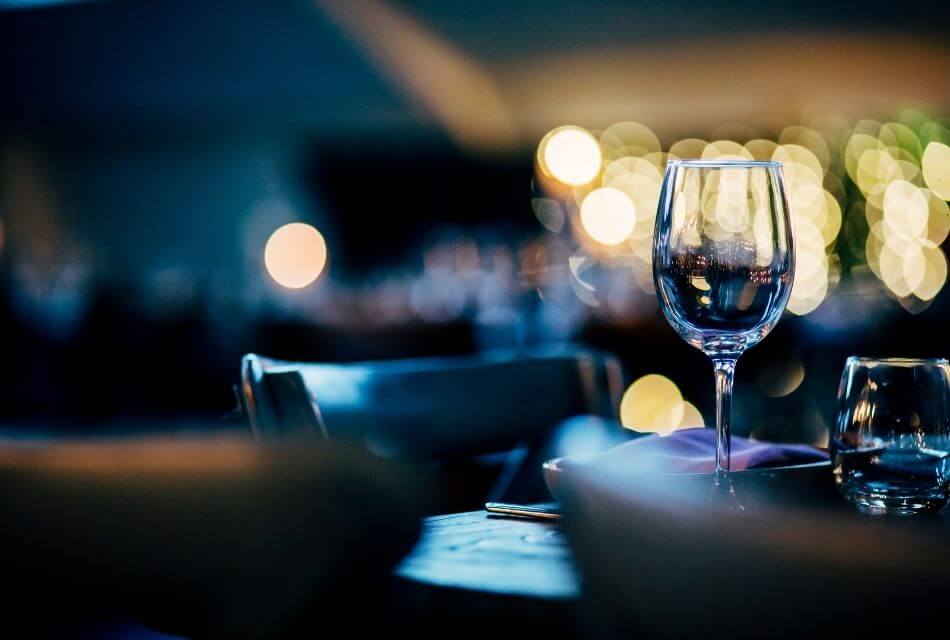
(694, 451)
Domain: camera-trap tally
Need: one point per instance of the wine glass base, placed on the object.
(878, 503)
(723, 496)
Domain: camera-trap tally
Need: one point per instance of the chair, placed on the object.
(434, 409)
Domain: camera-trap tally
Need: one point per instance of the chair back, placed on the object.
(431, 408)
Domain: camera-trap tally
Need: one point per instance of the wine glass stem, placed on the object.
(724, 370)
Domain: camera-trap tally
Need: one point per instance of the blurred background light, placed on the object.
(895, 218)
(654, 404)
(782, 376)
(725, 150)
(626, 139)
(692, 418)
(571, 155)
(295, 255)
(688, 149)
(608, 216)
(936, 168)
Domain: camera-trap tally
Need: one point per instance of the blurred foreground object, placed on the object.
(207, 537)
(658, 560)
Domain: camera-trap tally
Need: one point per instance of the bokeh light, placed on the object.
(782, 377)
(626, 139)
(761, 149)
(811, 268)
(936, 168)
(688, 149)
(692, 418)
(725, 150)
(608, 216)
(570, 155)
(863, 197)
(295, 255)
(907, 220)
(654, 404)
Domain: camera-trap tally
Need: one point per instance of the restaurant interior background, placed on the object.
(479, 175)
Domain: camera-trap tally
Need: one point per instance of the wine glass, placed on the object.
(723, 265)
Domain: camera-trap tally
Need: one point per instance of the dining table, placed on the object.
(478, 569)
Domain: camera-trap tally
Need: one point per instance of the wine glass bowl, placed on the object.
(723, 263)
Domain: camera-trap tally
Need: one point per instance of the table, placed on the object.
(479, 552)
(482, 574)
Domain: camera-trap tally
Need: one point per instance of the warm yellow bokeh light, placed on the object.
(892, 265)
(631, 166)
(938, 218)
(571, 155)
(628, 139)
(811, 268)
(608, 216)
(761, 149)
(726, 150)
(936, 168)
(899, 181)
(900, 139)
(810, 140)
(782, 378)
(905, 210)
(725, 203)
(907, 266)
(658, 160)
(876, 169)
(639, 179)
(832, 224)
(652, 404)
(799, 163)
(873, 245)
(691, 417)
(295, 255)
(915, 265)
(857, 145)
(935, 274)
(688, 149)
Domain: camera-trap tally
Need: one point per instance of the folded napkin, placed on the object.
(694, 451)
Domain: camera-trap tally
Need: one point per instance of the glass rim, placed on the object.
(899, 362)
(715, 164)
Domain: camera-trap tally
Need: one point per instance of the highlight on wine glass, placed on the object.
(892, 435)
(723, 265)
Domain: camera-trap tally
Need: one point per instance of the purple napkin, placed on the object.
(694, 451)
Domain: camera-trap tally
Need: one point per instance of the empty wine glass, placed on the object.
(723, 265)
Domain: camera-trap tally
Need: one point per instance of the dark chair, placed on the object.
(438, 409)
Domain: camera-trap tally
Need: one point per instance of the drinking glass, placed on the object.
(723, 265)
(892, 435)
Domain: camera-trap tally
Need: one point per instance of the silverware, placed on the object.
(546, 511)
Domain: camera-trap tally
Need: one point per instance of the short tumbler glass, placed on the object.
(892, 437)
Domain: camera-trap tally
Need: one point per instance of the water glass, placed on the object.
(892, 436)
